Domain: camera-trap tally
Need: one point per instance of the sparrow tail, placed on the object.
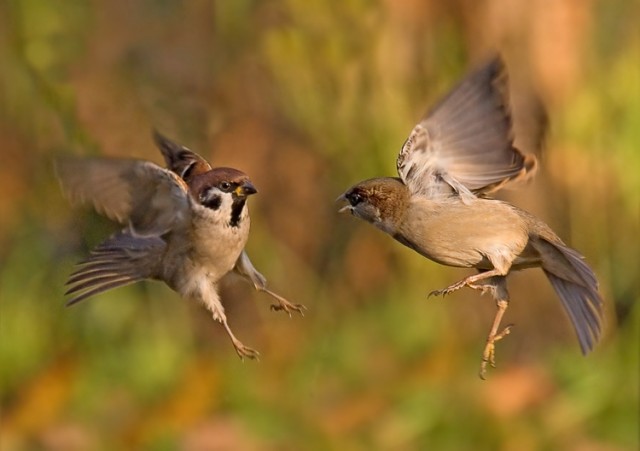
(576, 285)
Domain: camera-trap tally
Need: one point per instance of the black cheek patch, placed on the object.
(213, 202)
(236, 211)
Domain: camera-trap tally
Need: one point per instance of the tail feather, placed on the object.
(578, 305)
(577, 286)
(121, 260)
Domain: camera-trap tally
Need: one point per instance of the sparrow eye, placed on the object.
(225, 186)
(354, 199)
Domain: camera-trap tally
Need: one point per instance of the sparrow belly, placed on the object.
(195, 264)
(484, 234)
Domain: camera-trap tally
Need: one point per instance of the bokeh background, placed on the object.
(309, 97)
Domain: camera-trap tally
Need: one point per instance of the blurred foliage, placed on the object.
(308, 97)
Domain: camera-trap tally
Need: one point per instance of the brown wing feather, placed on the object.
(180, 159)
(138, 193)
(464, 143)
(121, 260)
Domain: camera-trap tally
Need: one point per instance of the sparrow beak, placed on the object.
(346, 208)
(246, 189)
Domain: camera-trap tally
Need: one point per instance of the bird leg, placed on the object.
(468, 281)
(209, 297)
(498, 287)
(489, 353)
(242, 350)
(245, 269)
(283, 304)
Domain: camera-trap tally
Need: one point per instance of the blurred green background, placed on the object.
(309, 97)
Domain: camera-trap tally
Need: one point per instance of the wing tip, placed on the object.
(494, 65)
(164, 144)
(528, 164)
(160, 138)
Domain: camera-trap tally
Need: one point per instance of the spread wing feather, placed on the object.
(148, 198)
(464, 143)
(121, 260)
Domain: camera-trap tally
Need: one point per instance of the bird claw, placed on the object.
(245, 351)
(450, 289)
(489, 354)
(288, 307)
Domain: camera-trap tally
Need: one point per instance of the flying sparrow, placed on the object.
(458, 154)
(186, 225)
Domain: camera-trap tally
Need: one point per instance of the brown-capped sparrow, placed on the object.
(458, 154)
(186, 225)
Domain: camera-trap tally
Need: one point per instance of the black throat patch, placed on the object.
(236, 210)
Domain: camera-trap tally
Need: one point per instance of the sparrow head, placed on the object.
(380, 201)
(224, 189)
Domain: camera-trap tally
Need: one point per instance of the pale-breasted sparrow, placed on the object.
(460, 152)
(186, 226)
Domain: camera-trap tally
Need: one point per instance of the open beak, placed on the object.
(246, 189)
(347, 208)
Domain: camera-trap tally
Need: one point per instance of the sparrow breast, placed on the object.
(219, 229)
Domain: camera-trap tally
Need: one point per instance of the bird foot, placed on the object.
(450, 289)
(489, 354)
(288, 307)
(483, 289)
(245, 351)
(283, 304)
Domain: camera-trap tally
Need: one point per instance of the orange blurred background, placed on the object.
(309, 97)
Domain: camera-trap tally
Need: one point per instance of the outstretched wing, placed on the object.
(464, 143)
(148, 198)
(121, 260)
(180, 159)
